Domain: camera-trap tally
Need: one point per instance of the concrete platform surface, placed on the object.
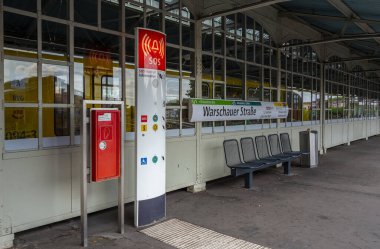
(336, 205)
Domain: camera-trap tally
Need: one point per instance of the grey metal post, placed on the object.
(122, 130)
(85, 170)
(323, 107)
(278, 57)
(83, 183)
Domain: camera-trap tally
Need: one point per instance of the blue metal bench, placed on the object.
(237, 166)
(286, 145)
(264, 154)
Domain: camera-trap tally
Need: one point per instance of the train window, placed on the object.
(206, 90)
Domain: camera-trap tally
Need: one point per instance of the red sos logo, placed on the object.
(151, 49)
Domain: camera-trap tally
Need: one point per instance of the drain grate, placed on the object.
(184, 235)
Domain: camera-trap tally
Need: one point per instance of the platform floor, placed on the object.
(336, 205)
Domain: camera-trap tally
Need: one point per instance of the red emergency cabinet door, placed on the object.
(105, 148)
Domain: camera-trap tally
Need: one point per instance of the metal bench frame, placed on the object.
(237, 166)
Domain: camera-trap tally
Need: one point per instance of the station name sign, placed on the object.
(219, 110)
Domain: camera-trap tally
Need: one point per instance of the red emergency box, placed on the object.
(105, 148)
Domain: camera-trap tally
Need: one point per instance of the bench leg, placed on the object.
(248, 178)
(287, 168)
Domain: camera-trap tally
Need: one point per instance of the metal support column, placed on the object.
(323, 107)
(278, 57)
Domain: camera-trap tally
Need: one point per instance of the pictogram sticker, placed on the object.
(144, 118)
(144, 161)
(155, 118)
(155, 159)
(155, 127)
(144, 127)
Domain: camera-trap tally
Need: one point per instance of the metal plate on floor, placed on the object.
(181, 234)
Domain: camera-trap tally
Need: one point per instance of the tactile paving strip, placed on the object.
(184, 235)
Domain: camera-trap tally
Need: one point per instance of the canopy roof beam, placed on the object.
(326, 17)
(354, 59)
(339, 39)
(242, 8)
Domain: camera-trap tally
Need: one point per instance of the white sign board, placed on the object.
(150, 204)
(201, 110)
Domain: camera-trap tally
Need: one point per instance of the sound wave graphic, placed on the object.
(162, 48)
(147, 46)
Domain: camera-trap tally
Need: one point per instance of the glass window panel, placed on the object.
(188, 34)
(219, 91)
(172, 29)
(172, 91)
(154, 20)
(235, 77)
(240, 51)
(130, 108)
(20, 82)
(207, 40)
(258, 32)
(267, 82)
(172, 6)
(172, 59)
(188, 61)
(55, 84)
(206, 90)
(59, 9)
(86, 11)
(250, 51)
(254, 83)
(267, 55)
(20, 35)
(172, 122)
(97, 61)
(218, 42)
(29, 5)
(110, 15)
(266, 37)
(134, 17)
(54, 41)
(153, 3)
(258, 53)
(55, 127)
(188, 91)
(188, 128)
(230, 46)
(219, 68)
(130, 50)
(273, 80)
(21, 128)
(230, 24)
(207, 67)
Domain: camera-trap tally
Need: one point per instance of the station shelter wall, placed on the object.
(55, 57)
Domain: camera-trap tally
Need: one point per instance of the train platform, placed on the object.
(333, 206)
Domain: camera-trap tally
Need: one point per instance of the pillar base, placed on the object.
(199, 187)
(6, 241)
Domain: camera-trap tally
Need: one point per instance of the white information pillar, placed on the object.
(150, 204)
